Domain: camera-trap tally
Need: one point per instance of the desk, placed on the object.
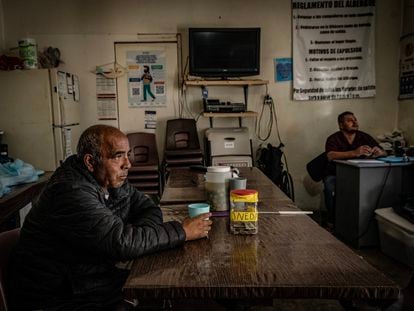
(358, 188)
(290, 257)
(20, 196)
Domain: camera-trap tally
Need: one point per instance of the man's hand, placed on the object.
(378, 152)
(363, 150)
(197, 227)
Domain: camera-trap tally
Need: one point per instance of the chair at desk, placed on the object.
(182, 147)
(8, 240)
(144, 173)
(317, 167)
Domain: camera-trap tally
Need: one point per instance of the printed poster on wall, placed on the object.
(407, 67)
(146, 78)
(106, 98)
(283, 69)
(150, 119)
(333, 49)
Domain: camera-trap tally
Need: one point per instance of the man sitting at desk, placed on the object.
(87, 219)
(347, 143)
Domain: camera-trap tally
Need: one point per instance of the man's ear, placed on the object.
(89, 162)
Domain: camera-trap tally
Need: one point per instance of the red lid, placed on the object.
(243, 191)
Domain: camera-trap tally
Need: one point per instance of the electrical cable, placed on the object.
(278, 136)
(198, 116)
(185, 107)
(181, 76)
(274, 114)
(259, 122)
(183, 91)
(287, 181)
(183, 104)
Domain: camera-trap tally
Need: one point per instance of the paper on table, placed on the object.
(288, 212)
(370, 161)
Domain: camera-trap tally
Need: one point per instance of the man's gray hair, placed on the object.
(92, 139)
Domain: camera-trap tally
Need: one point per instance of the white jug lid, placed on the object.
(218, 169)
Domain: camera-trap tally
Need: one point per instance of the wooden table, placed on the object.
(20, 196)
(185, 186)
(290, 257)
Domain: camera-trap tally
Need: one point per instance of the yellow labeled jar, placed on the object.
(243, 211)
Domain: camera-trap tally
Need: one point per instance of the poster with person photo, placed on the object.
(146, 78)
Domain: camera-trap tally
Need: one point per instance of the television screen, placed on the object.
(224, 52)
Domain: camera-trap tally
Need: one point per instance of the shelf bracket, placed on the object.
(246, 94)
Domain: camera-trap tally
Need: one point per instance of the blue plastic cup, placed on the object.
(196, 209)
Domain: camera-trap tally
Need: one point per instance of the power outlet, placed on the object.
(268, 100)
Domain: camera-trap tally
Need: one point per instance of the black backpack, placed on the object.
(270, 163)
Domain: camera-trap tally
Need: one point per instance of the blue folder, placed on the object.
(394, 159)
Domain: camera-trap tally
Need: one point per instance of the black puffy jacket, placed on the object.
(73, 237)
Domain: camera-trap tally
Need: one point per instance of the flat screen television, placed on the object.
(224, 52)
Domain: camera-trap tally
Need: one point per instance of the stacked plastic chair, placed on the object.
(144, 173)
(182, 147)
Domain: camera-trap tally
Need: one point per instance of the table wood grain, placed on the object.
(290, 257)
(186, 186)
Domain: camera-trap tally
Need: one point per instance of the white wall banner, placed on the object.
(333, 49)
(146, 78)
(407, 66)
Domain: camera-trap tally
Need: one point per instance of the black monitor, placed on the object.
(224, 52)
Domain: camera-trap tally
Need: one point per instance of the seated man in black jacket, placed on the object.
(87, 219)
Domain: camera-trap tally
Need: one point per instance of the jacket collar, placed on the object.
(79, 166)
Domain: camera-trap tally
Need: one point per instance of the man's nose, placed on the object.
(127, 163)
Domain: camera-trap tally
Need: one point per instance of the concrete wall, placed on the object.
(85, 32)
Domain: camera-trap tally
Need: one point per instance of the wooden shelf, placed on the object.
(229, 114)
(244, 83)
(225, 82)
